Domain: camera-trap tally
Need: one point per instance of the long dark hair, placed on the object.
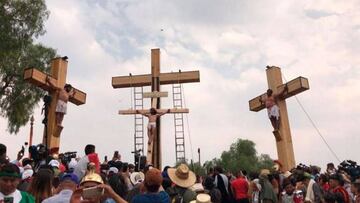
(41, 185)
(118, 184)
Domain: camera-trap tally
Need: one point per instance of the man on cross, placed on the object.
(153, 116)
(63, 97)
(271, 104)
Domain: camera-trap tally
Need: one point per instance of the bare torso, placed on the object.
(270, 102)
(152, 118)
(64, 96)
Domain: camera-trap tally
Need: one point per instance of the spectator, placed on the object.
(90, 156)
(183, 179)
(223, 184)
(9, 180)
(336, 188)
(210, 189)
(68, 184)
(41, 185)
(240, 188)
(154, 191)
(267, 194)
(3, 159)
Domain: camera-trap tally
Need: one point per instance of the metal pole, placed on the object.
(199, 156)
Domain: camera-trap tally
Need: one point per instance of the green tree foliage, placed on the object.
(242, 155)
(21, 21)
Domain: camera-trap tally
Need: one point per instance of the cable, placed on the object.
(187, 123)
(313, 124)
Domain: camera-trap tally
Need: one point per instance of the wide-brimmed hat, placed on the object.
(202, 198)
(137, 177)
(182, 176)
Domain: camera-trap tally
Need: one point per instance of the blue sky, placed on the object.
(230, 42)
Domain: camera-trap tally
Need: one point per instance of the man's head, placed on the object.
(269, 92)
(68, 88)
(218, 170)
(289, 187)
(153, 111)
(153, 180)
(335, 180)
(69, 181)
(89, 149)
(131, 168)
(9, 178)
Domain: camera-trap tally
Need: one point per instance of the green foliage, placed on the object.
(20, 22)
(242, 155)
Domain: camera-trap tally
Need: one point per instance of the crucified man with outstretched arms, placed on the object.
(63, 97)
(153, 116)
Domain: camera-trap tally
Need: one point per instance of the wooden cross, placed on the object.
(284, 142)
(155, 79)
(57, 76)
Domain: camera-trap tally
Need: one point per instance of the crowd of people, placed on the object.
(66, 178)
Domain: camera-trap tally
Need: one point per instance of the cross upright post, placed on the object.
(155, 80)
(58, 71)
(283, 136)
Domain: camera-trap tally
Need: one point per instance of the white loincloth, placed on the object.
(61, 107)
(273, 112)
(153, 124)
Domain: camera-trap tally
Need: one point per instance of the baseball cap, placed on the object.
(71, 177)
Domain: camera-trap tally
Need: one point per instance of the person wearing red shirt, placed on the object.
(240, 188)
(336, 183)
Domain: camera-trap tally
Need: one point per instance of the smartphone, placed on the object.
(92, 192)
(8, 199)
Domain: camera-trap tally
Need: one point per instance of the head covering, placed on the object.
(264, 172)
(153, 177)
(70, 176)
(182, 176)
(113, 170)
(54, 163)
(137, 177)
(27, 174)
(202, 198)
(91, 175)
(336, 177)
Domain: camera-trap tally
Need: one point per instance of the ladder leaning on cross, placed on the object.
(155, 79)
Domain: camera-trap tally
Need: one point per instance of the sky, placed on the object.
(230, 42)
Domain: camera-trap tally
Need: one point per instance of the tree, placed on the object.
(21, 22)
(242, 155)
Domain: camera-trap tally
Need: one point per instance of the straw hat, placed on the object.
(137, 177)
(202, 198)
(264, 172)
(92, 177)
(182, 176)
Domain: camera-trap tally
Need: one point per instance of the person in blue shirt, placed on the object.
(153, 191)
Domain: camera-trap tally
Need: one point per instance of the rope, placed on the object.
(314, 125)
(187, 123)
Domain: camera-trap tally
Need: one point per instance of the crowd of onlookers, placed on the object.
(66, 178)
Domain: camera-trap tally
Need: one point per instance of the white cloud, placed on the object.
(230, 43)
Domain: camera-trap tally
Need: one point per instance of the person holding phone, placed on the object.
(9, 180)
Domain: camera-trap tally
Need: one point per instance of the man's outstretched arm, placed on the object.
(160, 114)
(51, 83)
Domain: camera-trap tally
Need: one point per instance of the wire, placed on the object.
(187, 123)
(313, 124)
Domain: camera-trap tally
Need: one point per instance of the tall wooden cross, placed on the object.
(155, 79)
(58, 71)
(283, 139)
